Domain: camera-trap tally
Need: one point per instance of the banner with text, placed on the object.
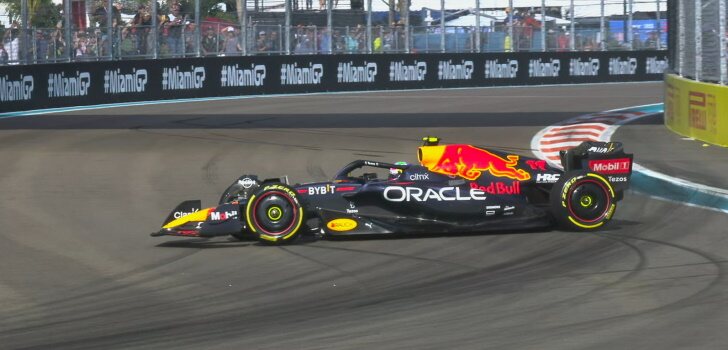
(91, 83)
(698, 110)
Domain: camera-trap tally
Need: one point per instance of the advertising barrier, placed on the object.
(695, 109)
(90, 83)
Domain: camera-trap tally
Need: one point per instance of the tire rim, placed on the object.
(274, 213)
(588, 201)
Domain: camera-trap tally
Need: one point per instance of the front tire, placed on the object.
(274, 214)
(583, 201)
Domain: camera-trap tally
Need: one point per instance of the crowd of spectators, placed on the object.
(524, 25)
(173, 33)
(99, 40)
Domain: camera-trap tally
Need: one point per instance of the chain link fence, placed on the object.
(94, 30)
(700, 40)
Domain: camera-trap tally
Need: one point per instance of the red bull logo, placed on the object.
(469, 162)
(499, 187)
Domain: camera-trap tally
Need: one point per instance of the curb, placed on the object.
(601, 127)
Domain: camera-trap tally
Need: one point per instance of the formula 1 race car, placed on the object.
(455, 188)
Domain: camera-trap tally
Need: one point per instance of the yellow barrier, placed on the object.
(698, 110)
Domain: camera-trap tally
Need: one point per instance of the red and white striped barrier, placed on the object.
(547, 143)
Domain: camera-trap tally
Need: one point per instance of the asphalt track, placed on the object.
(81, 191)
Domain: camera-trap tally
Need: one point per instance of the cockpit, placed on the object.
(365, 171)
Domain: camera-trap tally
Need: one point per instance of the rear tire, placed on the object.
(274, 214)
(583, 201)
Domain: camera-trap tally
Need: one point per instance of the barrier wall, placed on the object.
(695, 109)
(89, 83)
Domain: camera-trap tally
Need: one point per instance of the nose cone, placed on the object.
(429, 156)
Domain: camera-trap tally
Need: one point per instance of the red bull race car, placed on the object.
(456, 188)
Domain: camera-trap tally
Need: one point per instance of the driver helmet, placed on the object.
(394, 173)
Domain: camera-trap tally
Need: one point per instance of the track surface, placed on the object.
(81, 192)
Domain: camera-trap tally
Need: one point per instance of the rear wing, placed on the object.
(605, 158)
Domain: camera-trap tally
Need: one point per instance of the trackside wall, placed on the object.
(697, 110)
(92, 83)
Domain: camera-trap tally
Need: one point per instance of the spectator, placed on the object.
(517, 17)
(126, 46)
(352, 44)
(58, 42)
(637, 44)
(528, 23)
(261, 44)
(339, 43)
(116, 25)
(324, 41)
(298, 36)
(116, 15)
(190, 36)
(614, 43)
(100, 16)
(305, 43)
(590, 44)
(12, 42)
(174, 29)
(652, 40)
(210, 42)
(162, 33)
(231, 46)
(551, 40)
(3, 55)
(141, 26)
(509, 15)
(399, 36)
(377, 44)
(563, 41)
(275, 42)
(82, 46)
(388, 40)
(94, 43)
(41, 46)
